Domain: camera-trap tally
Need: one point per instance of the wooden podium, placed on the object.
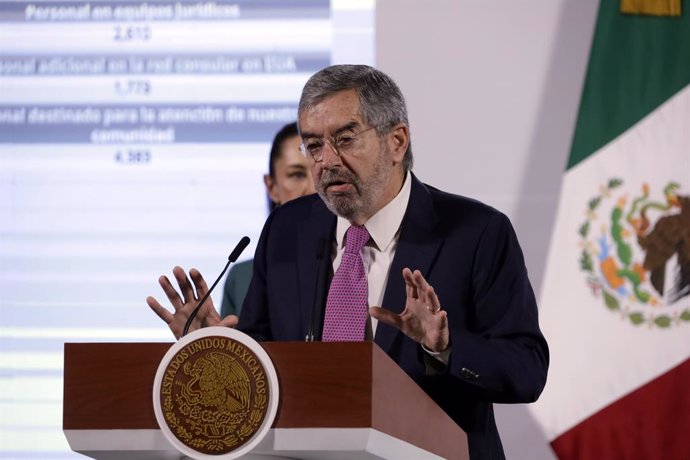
(337, 401)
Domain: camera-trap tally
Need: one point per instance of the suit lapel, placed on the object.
(316, 230)
(417, 247)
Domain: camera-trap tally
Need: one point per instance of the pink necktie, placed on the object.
(346, 306)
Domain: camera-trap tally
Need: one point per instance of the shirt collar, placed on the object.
(384, 225)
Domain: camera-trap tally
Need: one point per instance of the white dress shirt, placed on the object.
(377, 255)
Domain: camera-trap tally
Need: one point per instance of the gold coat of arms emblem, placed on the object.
(213, 393)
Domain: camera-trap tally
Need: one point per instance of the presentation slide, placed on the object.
(133, 137)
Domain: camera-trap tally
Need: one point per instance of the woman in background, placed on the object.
(288, 178)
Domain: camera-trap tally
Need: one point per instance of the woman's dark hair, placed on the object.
(286, 132)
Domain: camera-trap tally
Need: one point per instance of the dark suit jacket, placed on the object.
(470, 255)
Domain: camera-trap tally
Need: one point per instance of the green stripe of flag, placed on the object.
(636, 63)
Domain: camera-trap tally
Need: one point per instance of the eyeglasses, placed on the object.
(345, 143)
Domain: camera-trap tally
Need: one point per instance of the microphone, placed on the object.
(320, 247)
(231, 258)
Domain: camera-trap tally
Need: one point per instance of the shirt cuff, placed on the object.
(435, 361)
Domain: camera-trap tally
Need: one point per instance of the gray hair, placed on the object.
(381, 102)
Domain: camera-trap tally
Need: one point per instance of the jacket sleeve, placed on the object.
(254, 319)
(504, 356)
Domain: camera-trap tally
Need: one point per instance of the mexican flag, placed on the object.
(615, 306)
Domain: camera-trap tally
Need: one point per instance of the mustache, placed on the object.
(331, 176)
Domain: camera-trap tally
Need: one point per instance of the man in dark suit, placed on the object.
(446, 292)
